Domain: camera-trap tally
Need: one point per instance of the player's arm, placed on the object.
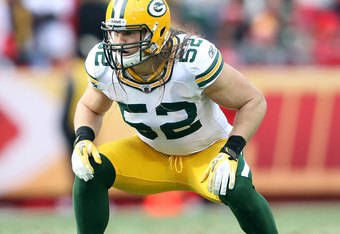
(91, 109)
(233, 91)
(88, 121)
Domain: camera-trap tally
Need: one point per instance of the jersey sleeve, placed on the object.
(95, 64)
(203, 60)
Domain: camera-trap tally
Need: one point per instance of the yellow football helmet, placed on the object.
(151, 18)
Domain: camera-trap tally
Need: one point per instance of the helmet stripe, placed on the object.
(123, 9)
(119, 9)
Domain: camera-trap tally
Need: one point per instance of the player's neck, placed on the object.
(144, 69)
(149, 68)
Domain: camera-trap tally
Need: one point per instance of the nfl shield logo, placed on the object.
(146, 89)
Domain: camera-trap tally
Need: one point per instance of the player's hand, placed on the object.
(80, 159)
(221, 173)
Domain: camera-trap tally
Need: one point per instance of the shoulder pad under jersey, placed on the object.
(203, 60)
(95, 63)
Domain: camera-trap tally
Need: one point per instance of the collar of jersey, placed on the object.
(158, 73)
(160, 77)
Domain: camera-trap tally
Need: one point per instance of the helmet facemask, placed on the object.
(114, 52)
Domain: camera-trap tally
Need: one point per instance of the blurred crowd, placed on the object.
(248, 32)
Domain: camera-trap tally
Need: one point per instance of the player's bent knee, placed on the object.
(104, 175)
(104, 172)
(243, 187)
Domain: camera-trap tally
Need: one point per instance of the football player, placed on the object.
(169, 85)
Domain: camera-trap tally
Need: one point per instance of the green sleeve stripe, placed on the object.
(211, 67)
(213, 76)
(94, 81)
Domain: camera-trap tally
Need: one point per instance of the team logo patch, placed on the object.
(156, 8)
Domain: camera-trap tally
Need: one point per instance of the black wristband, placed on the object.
(234, 146)
(84, 133)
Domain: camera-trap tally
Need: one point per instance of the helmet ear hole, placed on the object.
(162, 32)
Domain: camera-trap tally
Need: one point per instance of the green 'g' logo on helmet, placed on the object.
(156, 8)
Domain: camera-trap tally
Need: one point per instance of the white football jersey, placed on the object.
(171, 115)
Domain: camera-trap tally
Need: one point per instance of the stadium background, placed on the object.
(289, 49)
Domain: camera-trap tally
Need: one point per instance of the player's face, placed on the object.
(126, 37)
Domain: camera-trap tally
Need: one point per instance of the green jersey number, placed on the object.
(100, 57)
(190, 54)
(171, 130)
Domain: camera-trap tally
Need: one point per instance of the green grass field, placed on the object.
(292, 218)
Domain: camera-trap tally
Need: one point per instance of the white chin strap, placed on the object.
(130, 60)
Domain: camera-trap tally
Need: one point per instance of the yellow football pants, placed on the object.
(142, 170)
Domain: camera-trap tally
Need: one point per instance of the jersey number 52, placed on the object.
(171, 130)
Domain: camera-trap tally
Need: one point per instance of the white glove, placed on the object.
(222, 173)
(80, 159)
